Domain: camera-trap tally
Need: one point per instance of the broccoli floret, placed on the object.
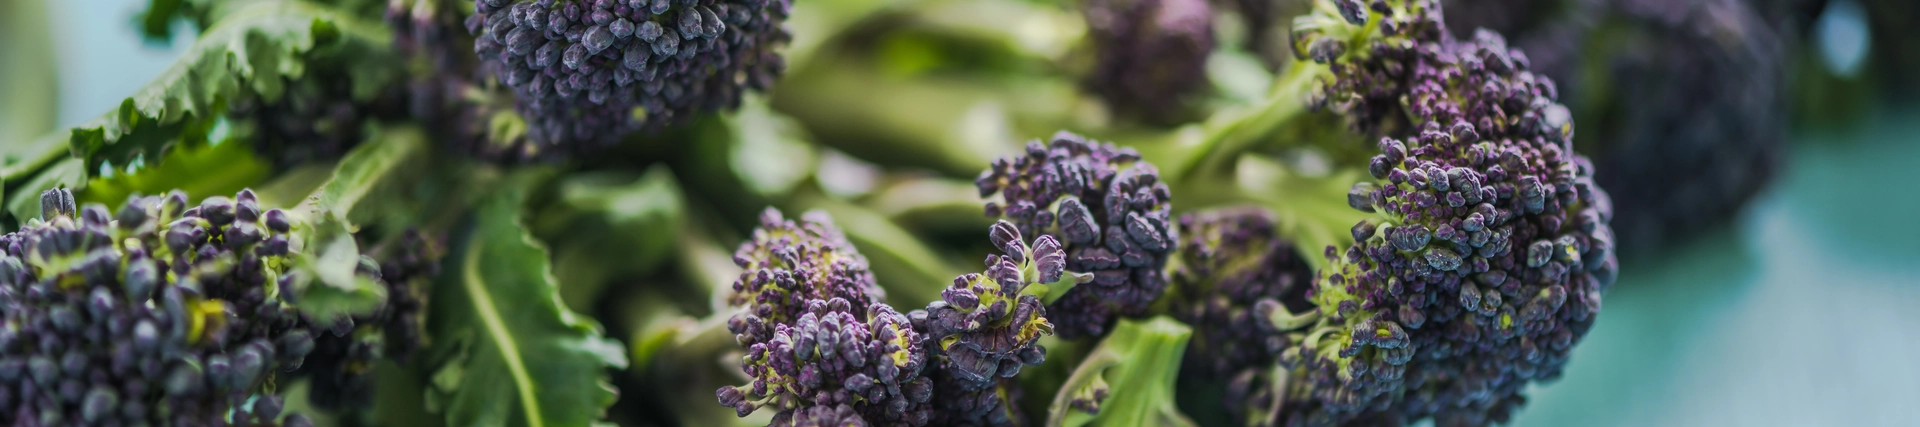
(1233, 260)
(987, 326)
(829, 359)
(340, 367)
(1369, 48)
(1110, 212)
(788, 264)
(1150, 55)
(1487, 261)
(587, 72)
(1128, 380)
(818, 341)
(162, 314)
(1691, 107)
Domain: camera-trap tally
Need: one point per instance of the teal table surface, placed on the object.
(1805, 312)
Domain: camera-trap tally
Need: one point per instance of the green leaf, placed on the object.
(608, 224)
(770, 152)
(505, 351)
(362, 189)
(395, 157)
(328, 284)
(252, 51)
(223, 168)
(1130, 377)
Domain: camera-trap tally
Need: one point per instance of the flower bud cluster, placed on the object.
(986, 328)
(1151, 55)
(821, 345)
(1486, 263)
(1109, 211)
(586, 72)
(1233, 261)
(162, 314)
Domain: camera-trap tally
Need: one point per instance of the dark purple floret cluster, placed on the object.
(585, 72)
(1484, 268)
(1151, 55)
(161, 315)
(477, 117)
(819, 416)
(820, 344)
(986, 328)
(1232, 261)
(316, 119)
(832, 363)
(1368, 80)
(340, 368)
(1695, 110)
(1110, 212)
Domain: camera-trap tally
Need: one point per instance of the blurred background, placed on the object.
(1759, 153)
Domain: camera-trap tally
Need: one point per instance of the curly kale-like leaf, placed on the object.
(157, 22)
(252, 51)
(505, 350)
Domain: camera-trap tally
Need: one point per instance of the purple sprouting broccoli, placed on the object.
(585, 72)
(832, 363)
(820, 416)
(986, 328)
(162, 313)
(1488, 258)
(1109, 211)
(1692, 104)
(1370, 49)
(340, 367)
(819, 342)
(789, 263)
(1231, 261)
(1151, 55)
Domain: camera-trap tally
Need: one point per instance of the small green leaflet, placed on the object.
(505, 352)
(328, 253)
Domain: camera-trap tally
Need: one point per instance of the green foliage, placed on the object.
(222, 168)
(252, 51)
(604, 225)
(506, 352)
(1128, 379)
(336, 210)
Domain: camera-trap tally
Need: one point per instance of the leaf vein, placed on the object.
(483, 303)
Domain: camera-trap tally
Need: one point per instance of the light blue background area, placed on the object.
(1804, 313)
(102, 57)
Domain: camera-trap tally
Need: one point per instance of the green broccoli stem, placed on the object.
(1050, 292)
(682, 341)
(1128, 380)
(1285, 320)
(1227, 134)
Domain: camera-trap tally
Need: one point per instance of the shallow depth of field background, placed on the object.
(1801, 313)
